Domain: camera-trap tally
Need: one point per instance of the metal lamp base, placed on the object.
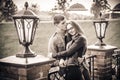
(27, 53)
(100, 44)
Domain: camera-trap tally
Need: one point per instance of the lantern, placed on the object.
(26, 23)
(100, 29)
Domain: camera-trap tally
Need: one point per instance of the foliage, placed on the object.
(7, 9)
(35, 8)
(99, 6)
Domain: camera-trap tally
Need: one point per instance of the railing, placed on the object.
(116, 68)
(116, 62)
(91, 65)
(90, 58)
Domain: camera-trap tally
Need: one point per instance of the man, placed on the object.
(57, 41)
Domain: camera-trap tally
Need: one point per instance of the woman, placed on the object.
(74, 49)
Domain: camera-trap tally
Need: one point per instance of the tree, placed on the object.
(99, 7)
(62, 5)
(8, 8)
(35, 8)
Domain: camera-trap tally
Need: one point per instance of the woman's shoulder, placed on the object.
(82, 37)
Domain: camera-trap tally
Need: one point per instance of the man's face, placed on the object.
(62, 25)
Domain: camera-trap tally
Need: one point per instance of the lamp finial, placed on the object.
(100, 14)
(26, 5)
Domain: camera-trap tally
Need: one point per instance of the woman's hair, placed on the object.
(77, 27)
(58, 18)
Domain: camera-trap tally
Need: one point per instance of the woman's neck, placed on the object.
(75, 35)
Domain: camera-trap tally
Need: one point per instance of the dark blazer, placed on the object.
(75, 48)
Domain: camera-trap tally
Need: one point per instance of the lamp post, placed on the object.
(103, 60)
(100, 29)
(26, 23)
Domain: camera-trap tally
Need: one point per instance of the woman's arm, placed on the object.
(77, 44)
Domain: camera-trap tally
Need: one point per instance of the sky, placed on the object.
(46, 5)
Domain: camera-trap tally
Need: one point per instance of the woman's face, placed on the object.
(71, 29)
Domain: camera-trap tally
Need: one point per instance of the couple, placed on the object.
(68, 44)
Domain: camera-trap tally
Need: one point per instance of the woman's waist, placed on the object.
(72, 63)
(69, 62)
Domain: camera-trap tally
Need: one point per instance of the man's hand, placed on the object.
(50, 55)
(54, 55)
(62, 63)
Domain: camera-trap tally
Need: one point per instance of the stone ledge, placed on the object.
(25, 62)
(14, 68)
(101, 48)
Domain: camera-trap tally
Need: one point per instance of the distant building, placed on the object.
(115, 9)
(113, 14)
(77, 7)
(78, 12)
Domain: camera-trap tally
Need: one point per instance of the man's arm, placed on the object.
(52, 48)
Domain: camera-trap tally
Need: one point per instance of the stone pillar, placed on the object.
(14, 68)
(102, 61)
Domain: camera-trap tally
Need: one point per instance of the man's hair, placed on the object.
(58, 18)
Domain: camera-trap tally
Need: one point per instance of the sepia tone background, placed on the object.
(9, 44)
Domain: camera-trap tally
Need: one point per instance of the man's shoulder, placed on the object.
(56, 36)
(53, 38)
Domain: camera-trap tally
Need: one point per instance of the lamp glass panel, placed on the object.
(28, 26)
(103, 27)
(34, 29)
(19, 28)
(97, 27)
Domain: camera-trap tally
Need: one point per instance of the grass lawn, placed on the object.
(9, 44)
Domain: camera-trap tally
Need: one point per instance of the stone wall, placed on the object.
(37, 68)
(15, 73)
